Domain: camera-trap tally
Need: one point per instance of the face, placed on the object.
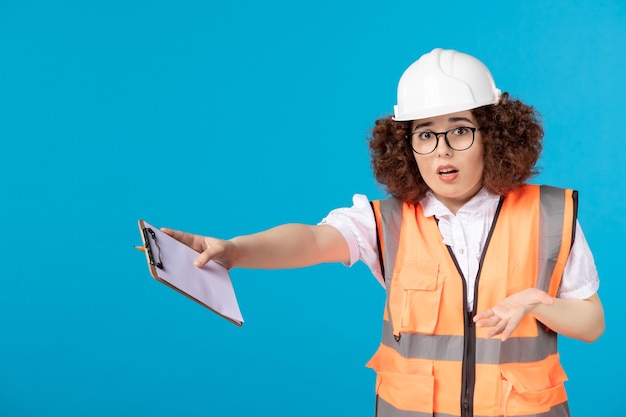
(453, 176)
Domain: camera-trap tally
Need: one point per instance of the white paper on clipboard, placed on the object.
(171, 262)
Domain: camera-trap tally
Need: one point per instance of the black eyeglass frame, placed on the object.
(445, 137)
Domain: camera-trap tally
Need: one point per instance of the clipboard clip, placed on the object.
(148, 236)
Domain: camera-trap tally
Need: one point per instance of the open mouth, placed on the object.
(448, 171)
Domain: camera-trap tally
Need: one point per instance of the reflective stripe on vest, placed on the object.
(429, 340)
(385, 409)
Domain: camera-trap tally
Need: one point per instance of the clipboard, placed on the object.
(171, 263)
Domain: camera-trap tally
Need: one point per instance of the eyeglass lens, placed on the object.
(458, 138)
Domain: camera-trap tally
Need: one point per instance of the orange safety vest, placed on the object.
(432, 360)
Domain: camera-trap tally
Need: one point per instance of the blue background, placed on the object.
(224, 118)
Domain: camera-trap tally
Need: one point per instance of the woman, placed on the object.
(481, 270)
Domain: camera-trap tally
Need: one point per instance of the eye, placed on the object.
(425, 135)
(460, 131)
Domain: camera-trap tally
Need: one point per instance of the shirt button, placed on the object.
(461, 251)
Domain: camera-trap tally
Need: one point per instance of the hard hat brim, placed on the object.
(440, 111)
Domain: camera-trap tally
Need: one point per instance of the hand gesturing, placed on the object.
(507, 315)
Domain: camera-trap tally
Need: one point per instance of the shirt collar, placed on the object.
(483, 201)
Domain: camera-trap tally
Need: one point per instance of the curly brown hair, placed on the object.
(512, 144)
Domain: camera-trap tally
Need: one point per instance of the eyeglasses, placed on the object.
(458, 138)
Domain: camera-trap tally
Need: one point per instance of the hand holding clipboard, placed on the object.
(173, 263)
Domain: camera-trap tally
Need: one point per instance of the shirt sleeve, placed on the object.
(358, 227)
(580, 277)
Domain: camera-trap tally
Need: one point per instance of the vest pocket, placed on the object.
(535, 387)
(405, 391)
(414, 297)
(405, 384)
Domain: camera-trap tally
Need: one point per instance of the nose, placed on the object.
(443, 148)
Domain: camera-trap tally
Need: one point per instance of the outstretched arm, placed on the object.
(576, 318)
(287, 246)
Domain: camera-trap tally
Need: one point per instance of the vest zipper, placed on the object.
(468, 376)
(468, 367)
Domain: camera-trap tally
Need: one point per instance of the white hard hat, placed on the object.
(442, 82)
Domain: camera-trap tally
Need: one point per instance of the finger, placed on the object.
(203, 258)
(490, 322)
(496, 329)
(176, 234)
(511, 326)
(508, 331)
(212, 251)
(483, 315)
(183, 237)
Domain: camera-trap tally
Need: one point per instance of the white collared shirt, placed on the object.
(466, 233)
